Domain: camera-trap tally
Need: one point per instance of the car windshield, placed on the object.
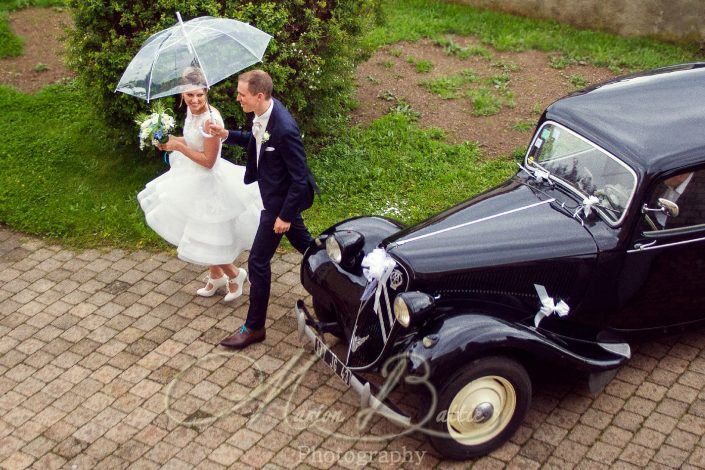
(584, 168)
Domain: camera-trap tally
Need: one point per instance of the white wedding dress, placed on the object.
(210, 215)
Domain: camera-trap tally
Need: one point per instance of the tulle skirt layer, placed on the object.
(211, 216)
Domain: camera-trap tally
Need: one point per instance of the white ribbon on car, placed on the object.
(587, 206)
(542, 175)
(472, 222)
(377, 266)
(548, 306)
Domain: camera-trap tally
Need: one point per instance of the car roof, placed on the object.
(654, 121)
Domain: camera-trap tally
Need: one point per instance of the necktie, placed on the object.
(257, 130)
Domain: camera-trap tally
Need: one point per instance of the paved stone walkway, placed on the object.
(107, 360)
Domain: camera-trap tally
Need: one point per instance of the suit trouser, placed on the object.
(260, 262)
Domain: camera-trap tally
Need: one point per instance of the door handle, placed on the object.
(641, 246)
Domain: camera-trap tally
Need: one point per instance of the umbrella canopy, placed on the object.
(219, 46)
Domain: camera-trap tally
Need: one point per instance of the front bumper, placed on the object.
(360, 385)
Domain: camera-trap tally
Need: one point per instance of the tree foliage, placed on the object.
(311, 58)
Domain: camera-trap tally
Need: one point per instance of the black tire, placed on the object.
(498, 381)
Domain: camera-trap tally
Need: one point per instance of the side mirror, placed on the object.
(665, 206)
(669, 208)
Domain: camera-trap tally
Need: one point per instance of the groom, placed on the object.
(276, 160)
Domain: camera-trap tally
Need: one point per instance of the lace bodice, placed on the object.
(193, 126)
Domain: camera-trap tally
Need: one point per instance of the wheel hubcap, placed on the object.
(481, 410)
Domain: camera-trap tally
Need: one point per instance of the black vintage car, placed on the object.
(597, 241)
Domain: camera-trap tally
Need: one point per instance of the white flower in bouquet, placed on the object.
(156, 127)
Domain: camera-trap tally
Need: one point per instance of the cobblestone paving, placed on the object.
(108, 360)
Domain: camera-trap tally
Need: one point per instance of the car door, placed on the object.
(662, 284)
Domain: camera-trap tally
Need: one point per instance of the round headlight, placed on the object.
(344, 247)
(401, 311)
(412, 307)
(333, 249)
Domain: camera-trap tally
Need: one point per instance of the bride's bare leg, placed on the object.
(215, 272)
(215, 280)
(228, 269)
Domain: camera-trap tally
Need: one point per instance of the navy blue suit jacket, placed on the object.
(285, 181)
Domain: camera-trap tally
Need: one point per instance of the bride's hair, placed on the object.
(193, 76)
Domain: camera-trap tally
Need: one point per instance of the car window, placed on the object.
(687, 191)
(584, 168)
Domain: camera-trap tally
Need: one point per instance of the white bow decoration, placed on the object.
(586, 206)
(548, 306)
(377, 266)
(542, 175)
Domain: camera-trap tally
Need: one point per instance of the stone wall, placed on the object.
(671, 20)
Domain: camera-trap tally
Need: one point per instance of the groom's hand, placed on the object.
(215, 129)
(280, 226)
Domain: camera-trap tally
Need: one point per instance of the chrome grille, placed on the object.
(372, 330)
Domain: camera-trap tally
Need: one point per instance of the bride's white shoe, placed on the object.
(240, 281)
(214, 283)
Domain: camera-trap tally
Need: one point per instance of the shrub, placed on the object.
(311, 58)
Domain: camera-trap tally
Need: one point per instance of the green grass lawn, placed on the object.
(10, 45)
(410, 20)
(394, 168)
(64, 176)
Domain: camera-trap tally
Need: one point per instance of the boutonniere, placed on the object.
(265, 137)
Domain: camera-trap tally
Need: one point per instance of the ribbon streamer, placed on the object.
(548, 306)
(472, 222)
(377, 266)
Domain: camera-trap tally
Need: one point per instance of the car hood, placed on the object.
(507, 225)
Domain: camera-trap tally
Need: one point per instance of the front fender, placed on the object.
(461, 337)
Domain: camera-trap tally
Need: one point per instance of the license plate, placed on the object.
(335, 364)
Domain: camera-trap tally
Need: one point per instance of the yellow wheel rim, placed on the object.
(481, 410)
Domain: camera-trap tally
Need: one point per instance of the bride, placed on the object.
(202, 205)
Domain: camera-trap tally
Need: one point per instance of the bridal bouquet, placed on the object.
(155, 127)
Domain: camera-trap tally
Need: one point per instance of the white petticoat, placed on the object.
(211, 216)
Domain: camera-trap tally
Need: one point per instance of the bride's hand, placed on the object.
(170, 145)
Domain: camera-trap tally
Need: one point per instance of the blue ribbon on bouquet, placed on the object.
(158, 134)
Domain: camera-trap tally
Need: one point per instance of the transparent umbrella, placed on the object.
(219, 46)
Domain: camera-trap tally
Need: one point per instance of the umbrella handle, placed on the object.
(210, 114)
(204, 133)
